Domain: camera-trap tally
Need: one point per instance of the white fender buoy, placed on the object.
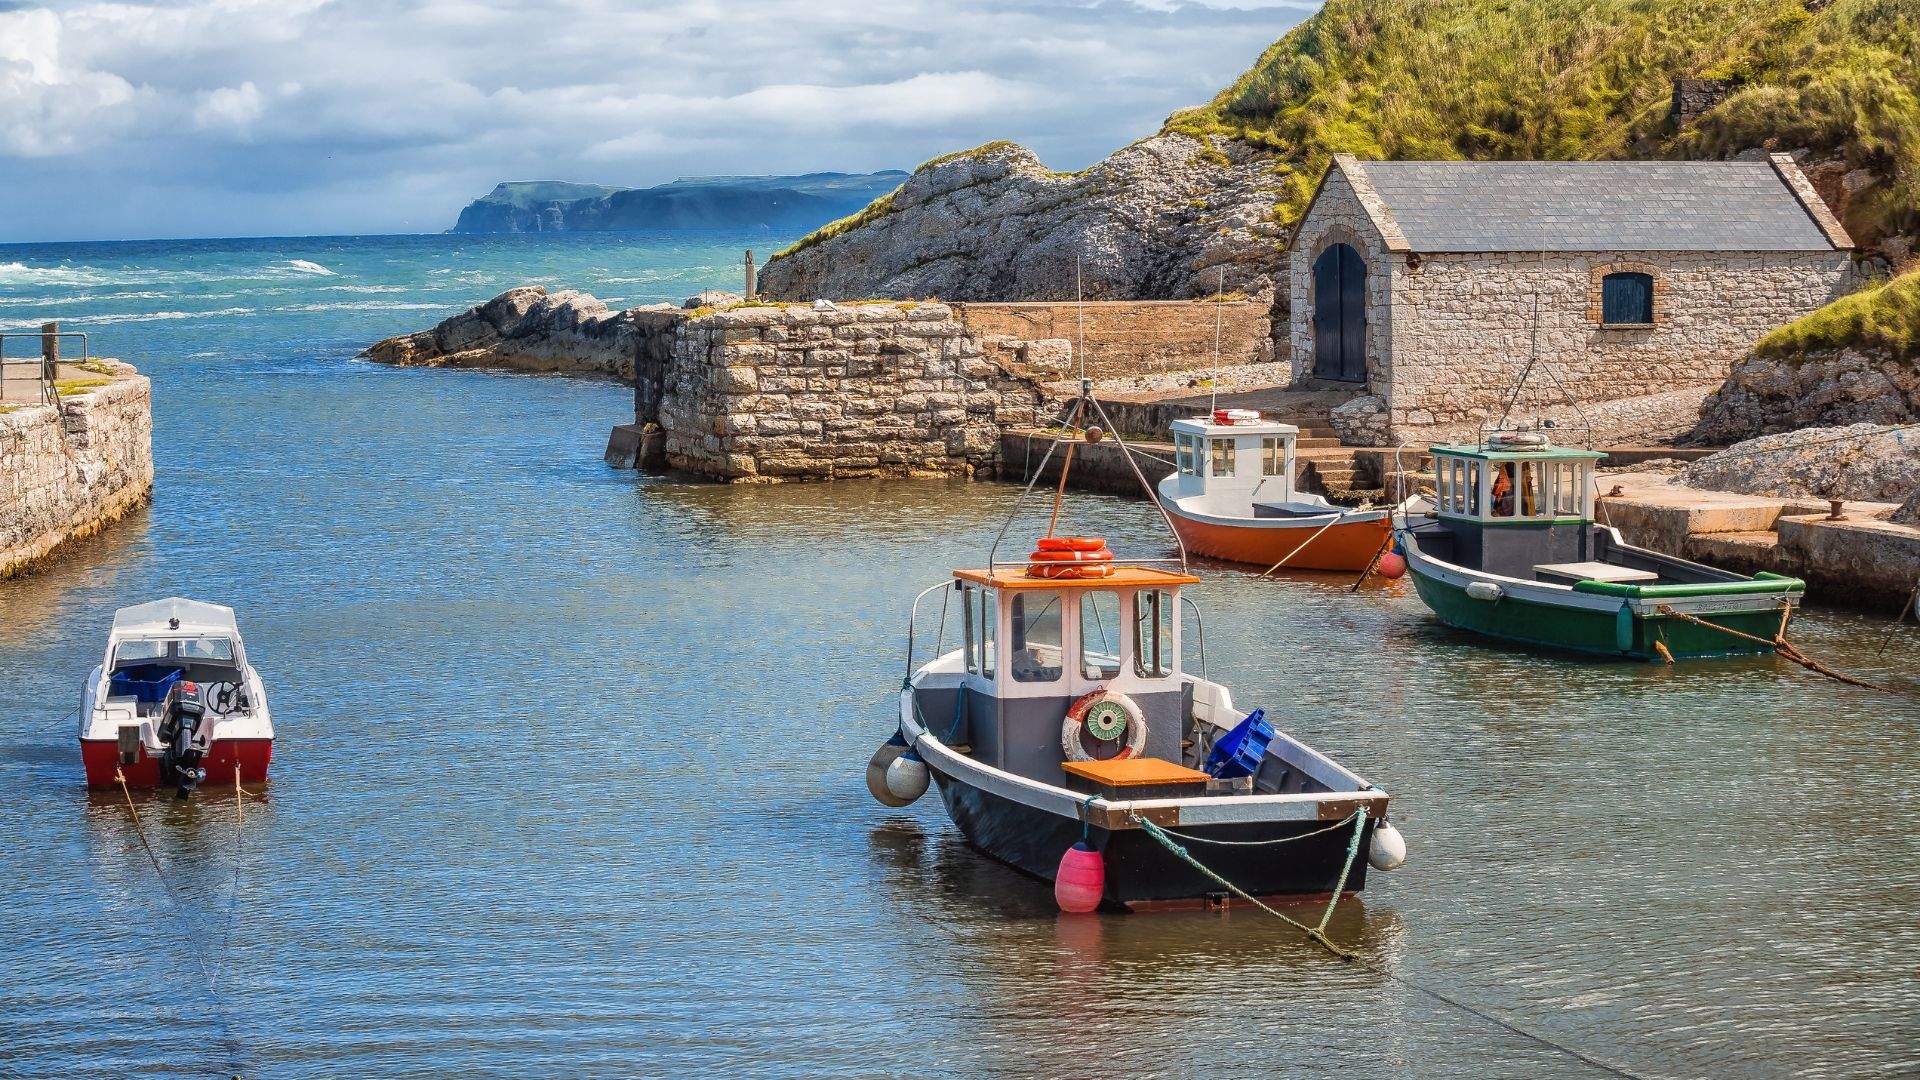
(1485, 590)
(907, 777)
(883, 758)
(1388, 849)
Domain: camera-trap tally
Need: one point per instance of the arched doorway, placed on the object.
(1340, 315)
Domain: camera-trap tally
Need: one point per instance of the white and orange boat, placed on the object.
(174, 702)
(1231, 496)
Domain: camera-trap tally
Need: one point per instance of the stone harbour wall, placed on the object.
(67, 471)
(763, 393)
(1132, 337)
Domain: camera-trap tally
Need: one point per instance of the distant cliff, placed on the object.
(710, 202)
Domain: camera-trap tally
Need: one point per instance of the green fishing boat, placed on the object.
(1508, 547)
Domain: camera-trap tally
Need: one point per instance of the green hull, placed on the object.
(1622, 632)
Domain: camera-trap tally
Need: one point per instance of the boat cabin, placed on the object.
(156, 645)
(1236, 463)
(1032, 646)
(1511, 504)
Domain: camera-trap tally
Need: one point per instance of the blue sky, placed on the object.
(274, 117)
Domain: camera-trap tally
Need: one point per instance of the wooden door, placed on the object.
(1340, 315)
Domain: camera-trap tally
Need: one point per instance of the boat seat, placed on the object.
(1134, 778)
(1570, 573)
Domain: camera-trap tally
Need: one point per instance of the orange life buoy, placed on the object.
(1097, 555)
(1116, 710)
(1071, 543)
(1069, 571)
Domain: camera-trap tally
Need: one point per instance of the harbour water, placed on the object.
(568, 780)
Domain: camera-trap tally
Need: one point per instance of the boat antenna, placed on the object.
(1080, 323)
(1533, 360)
(1219, 302)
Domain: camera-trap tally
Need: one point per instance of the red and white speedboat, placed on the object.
(174, 702)
(1231, 497)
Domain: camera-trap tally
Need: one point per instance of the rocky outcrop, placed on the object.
(1767, 394)
(530, 329)
(1868, 462)
(1164, 218)
(1909, 512)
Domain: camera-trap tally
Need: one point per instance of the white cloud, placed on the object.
(310, 112)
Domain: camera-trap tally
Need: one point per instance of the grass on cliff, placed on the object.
(883, 205)
(1884, 319)
(1554, 79)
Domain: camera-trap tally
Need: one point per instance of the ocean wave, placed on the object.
(84, 298)
(306, 267)
(364, 288)
(136, 317)
(366, 305)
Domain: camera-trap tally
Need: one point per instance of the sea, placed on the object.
(569, 771)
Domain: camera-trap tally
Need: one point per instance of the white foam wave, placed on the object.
(81, 298)
(306, 267)
(135, 317)
(363, 288)
(366, 305)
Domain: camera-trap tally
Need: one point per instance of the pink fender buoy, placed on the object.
(1081, 879)
(1393, 566)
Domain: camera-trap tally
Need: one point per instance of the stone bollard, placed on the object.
(753, 279)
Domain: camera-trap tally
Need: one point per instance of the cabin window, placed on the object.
(976, 605)
(1036, 646)
(1185, 458)
(1505, 497)
(1273, 457)
(1569, 485)
(1626, 299)
(1223, 457)
(206, 649)
(1153, 614)
(1099, 635)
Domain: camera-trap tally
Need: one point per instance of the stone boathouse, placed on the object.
(1633, 285)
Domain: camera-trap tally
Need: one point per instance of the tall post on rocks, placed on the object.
(753, 279)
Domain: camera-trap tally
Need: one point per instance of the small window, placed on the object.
(1531, 476)
(207, 649)
(1626, 299)
(1470, 473)
(976, 604)
(128, 652)
(1223, 457)
(1153, 633)
(1036, 638)
(1504, 499)
(1099, 635)
(1273, 457)
(1184, 456)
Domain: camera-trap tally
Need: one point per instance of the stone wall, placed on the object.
(1124, 338)
(66, 471)
(798, 392)
(1764, 395)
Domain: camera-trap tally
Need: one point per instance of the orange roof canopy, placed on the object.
(1123, 577)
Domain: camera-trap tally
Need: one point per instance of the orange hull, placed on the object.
(1350, 545)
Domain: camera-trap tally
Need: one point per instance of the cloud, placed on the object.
(361, 115)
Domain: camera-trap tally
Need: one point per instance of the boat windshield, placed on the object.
(1099, 635)
(143, 650)
(1036, 655)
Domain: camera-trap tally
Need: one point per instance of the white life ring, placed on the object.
(1520, 439)
(1107, 709)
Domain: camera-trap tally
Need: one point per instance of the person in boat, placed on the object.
(1503, 490)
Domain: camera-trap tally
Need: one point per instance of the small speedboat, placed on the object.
(1069, 739)
(1231, 496)
(1509, 548)
(175, 703)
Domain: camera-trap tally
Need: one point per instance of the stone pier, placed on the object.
(68, 470)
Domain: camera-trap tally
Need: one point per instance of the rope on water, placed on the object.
(1318, 934)
(1780, 645)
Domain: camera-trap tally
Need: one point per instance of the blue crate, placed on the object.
(1240, 751)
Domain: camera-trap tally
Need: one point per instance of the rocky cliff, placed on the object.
(1832, 80)
(1869, 462)
(783, 203)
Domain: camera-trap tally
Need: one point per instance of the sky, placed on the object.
(304, 117)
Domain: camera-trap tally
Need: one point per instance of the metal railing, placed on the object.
(44, 368)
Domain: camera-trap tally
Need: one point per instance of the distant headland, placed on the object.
(704, 202)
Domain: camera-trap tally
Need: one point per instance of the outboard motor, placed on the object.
(180, 739)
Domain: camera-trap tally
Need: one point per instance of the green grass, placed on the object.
(73, 387)
(1884, 319)
(1580, 79)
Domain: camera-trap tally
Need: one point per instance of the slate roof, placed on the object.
(1462, 206)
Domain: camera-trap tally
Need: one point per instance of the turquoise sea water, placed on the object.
(568, 780)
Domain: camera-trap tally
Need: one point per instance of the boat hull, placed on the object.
(1621, 631)
(1263, 542)
(101, 758)
(1140, 872)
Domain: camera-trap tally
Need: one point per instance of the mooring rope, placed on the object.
(1342, 823)
(221, 1015)
(1780, 645)
(1318, 934)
